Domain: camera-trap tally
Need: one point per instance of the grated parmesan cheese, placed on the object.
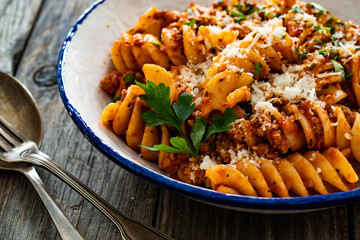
(207, 162)
(242, 155)
(272, 30)
(193, 76)
(306, 17)
(286, 85)
(348, 136)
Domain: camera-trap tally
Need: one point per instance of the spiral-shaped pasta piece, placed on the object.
(124, 117)
(297, 127)
(296, 174)
(240, 64)
(178, 45)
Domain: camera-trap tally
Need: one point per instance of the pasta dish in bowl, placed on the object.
(257, 101)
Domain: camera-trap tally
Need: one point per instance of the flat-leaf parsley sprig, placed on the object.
(158, 98)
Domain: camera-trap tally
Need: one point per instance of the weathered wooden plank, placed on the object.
(27, 219)
(16, 21)
(354, 221)
(193, 220)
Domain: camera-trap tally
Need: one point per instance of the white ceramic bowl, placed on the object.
(84, 60)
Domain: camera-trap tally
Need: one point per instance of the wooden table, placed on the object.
(31, 33)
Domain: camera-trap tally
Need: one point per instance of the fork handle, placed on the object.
(129, 228)
(65, 228)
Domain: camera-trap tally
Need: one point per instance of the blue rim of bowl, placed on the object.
(278, 205)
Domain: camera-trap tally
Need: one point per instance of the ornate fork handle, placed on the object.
(64, 226)
(129, 228)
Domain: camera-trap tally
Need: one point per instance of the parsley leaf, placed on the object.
(158, 98)
(183, 108)
(339, 68)
(130, 78)
(179, 146)
(257, 68)
(155, 119)
(191, 23)
(221, 124)
(198, 131)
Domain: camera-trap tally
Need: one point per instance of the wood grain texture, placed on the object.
(31, 33)
(16, 21)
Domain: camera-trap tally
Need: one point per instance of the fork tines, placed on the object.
(9, 137)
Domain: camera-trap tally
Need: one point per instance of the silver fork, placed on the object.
(17, 150)
(66, 229)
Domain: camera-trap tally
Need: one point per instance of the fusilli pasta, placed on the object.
(288, 70)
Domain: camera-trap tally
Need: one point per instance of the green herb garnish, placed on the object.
(213, 49)
(130, 78)
(332, 30)
(191, 23)
(339, 68)
(327, 29)
(302, 54)
(158, 98)
(257, 68)
(277, 15)
(324, 52)
(239, 7)
(349, 75)
(315, 5)
(334, 56)
(312, 66)
(238, 14)
(155, 44)
(332, 40)
(261, 8)
(330, 20)
(296, 9)
(340, 23)
(190, 11)
(117, 98)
